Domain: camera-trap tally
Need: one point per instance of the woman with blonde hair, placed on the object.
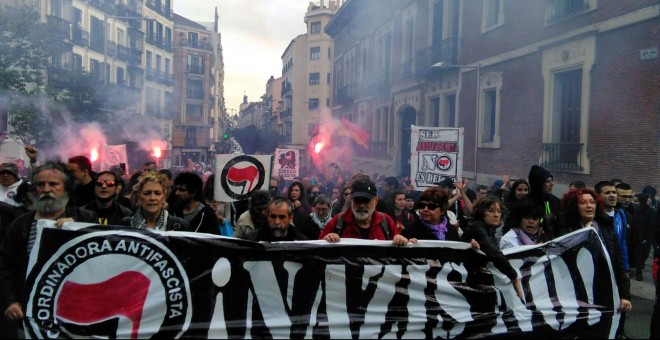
(149, 194)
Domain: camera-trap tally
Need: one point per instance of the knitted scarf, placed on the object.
(321, 222)
(138, 220)
(439, 229)
(525, 238)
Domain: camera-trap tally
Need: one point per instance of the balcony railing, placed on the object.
(107, 6)
(80, 37)
(132, 9)
(559, 10)
(285, 113)
(111, 48)
(123, 52)
(160, 42)
(286, 88)
(159, 7)
(196, 69)
(562, 157)
(60, 27)
(345, 94)
(195, 44)
(134, 56)
(448, 51)
(191, 142)
(59, 78)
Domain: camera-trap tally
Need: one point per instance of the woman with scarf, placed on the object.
(525, 221)
(150, 194)
(432, 223)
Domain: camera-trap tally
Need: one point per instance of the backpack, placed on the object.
(339, 228)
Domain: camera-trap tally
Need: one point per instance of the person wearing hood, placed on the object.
(541, 183)
(9, 183)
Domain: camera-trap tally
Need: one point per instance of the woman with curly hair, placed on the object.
(524, 218)
(149, 193)
(584, 208)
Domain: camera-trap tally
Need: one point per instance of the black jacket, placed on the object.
(173, 223)
(550, 223)
(421, 232)
(204, 222)
(117, 213)
(485, 236)
(14, 256)
(263, 234)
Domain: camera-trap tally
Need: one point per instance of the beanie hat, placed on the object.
(9, 167)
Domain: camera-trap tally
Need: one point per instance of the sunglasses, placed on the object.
(109, 184)
(430, 206)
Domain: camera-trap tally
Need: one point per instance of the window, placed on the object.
(315, 53)
(195, 64)
(77, 61)
(488, 128)
(488, 120)
(313, 103)
(195, 89)
(328, 78)
(492, 15)
(435, 111)
(449, 111)
(314, 78)
(159, 61)
(560, 10)
(168, 66)
(121, 79)
(315, 27)
(193, 39)
(148, 59)
(193, 113)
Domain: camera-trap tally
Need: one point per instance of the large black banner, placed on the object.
(119, 282)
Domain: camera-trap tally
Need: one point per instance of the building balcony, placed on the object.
(61, 28)
(560, 10)
(190, 142)
(196, 69)
(286, 113)
(449, 51)
(159, 7)
(131, 9)
(123, 52)
(134, 56)
(562, 157)
(195, 44)
(111, 48)
(107, 6)
(345, 95)
(80, 37)
(160, 42)
(286, 88)
(59, 78)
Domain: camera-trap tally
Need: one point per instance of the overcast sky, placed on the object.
(254, 36)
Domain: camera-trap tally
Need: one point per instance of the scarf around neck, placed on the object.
(139, 221)
(321, 222)
(527, 239)
(440, 230)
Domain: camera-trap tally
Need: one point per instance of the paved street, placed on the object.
(643, 298)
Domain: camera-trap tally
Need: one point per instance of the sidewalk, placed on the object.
(646, 288)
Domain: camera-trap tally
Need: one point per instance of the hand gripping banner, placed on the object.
(89, 280)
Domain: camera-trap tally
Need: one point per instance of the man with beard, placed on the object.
(256, 215)
(280, 216)
(190, 204)
(52, 184)
(107, 210)
(362, 220)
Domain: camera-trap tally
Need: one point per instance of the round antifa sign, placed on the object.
(241, 175)
(444, 163)
(142, 291)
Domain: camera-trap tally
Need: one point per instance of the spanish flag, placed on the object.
(354, 132)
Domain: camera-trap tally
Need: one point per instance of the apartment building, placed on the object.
(554, 82)
(273, 103)
(306, 79)
(193, 97)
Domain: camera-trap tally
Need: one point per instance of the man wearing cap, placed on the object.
(362, 221)
(9, 182)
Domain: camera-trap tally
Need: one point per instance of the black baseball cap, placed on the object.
(363, 188)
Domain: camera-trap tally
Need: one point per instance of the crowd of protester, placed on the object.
(507, 214)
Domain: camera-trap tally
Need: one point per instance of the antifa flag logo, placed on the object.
(242, 175)
(444, 163)
(121, 296)
(143, 290)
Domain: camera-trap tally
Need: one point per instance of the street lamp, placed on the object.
(105, 39)
(443, 64)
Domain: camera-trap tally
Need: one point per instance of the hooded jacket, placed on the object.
(549, 202)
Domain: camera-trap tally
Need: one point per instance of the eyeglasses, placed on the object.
(430, 206)
(494, 211)
(109, 184)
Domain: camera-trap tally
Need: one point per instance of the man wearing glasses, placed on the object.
(107, 210)
(362, 220)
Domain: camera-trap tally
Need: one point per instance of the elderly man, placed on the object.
(362, 220)
(280, 228)
(52, 184)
